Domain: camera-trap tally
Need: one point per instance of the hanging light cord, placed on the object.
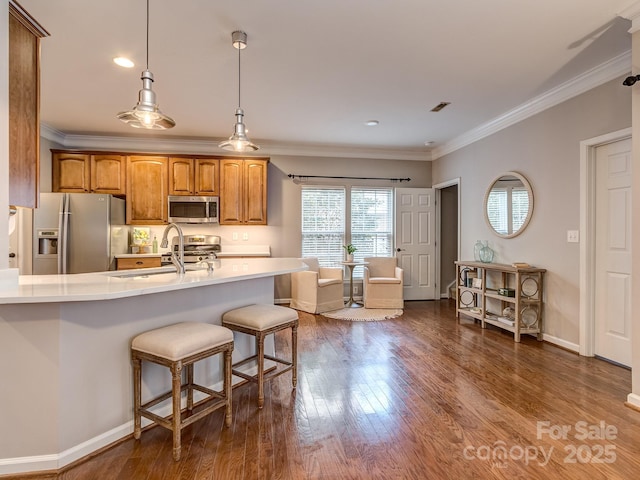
(239, 45)
(147, 34)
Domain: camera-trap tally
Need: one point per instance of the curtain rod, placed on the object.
(293, 176)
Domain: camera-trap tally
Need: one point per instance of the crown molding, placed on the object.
(595, 77)
(210, 147)
(632, 12)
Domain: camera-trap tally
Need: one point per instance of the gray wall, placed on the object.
(545, 149)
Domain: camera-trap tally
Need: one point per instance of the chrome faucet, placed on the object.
(177, 260)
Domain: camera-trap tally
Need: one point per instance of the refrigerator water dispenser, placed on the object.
(48, 242)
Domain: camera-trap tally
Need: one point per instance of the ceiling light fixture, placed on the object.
(238, 142)
(371, 123)
(146, 113)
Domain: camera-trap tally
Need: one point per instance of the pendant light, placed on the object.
(146, 113)
(238, 142)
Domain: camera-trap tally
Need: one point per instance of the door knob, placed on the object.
(400, 249)
(12, 255)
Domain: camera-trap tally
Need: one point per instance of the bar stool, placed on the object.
(177, 346)
(261, 320)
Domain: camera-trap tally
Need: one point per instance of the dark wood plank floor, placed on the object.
(417, 397)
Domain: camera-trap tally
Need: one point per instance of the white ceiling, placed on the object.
(314, 71)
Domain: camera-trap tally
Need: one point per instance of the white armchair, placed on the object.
(382, 284)
(317, 290)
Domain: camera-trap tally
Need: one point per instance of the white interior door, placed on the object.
(415, 241)
(612, 302)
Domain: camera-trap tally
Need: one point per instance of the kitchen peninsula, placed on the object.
(64, 342)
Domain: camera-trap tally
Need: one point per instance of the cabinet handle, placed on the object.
(139, 262)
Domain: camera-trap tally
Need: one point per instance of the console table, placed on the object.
(502, 295)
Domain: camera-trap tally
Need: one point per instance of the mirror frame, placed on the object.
(527, 185)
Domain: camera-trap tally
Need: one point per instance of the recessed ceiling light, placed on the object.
(371, 123)
(123, 62)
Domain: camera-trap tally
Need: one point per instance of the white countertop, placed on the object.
(126, 283)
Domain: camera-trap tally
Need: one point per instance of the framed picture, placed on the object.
(477, 283)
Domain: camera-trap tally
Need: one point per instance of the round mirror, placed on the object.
(508, 204)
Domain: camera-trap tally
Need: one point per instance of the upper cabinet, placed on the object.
(147, 189)
(189, 176)
(243, 187)
(84, 173)
(24, 107)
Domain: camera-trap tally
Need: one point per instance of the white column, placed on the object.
(633, 13)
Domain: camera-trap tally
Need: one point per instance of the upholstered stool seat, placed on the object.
(177, 346)
(259, 321)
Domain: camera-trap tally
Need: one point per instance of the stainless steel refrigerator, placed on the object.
(78, 233)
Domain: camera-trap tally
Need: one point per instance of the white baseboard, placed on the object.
(574, 347)
(39, 463)
(634, 400)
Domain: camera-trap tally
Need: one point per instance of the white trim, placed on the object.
(210, 147)
(437, 187)
(632, 12)
(587, 234)
(633, 399)
(561, 343)
(603, 73)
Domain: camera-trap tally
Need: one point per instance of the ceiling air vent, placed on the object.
(440, 106)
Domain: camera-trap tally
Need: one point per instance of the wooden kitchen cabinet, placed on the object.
(24, 107)
(243, 191)
(147, 189)
(129, 263)
(194, 176)
(85, 173)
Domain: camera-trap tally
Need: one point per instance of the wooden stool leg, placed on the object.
(294, 355)
(137, 395)
(176, 381)
(190, 387)
(227, 386)
(260, 353)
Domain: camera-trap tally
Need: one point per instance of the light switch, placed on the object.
(235, 235)
(573, 236)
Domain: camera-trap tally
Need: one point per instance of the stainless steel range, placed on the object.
(196, 248)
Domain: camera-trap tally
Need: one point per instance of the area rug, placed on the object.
(364, 314)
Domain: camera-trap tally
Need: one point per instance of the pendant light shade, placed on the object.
(238, 142)
(146, 113)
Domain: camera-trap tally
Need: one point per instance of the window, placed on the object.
(372, 222)
(323, 212)
(335, 216)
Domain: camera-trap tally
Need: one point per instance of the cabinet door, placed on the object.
(255, 200)
(147, 190)
(181, 176)
(108, 174)
(206, 176)
(70, 172)
(24, 108)
(231, 191)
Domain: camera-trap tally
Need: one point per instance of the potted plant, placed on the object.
(350, 249)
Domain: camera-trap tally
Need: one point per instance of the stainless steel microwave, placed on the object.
(184, 209)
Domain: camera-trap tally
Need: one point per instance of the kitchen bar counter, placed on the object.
(65, 340)
(126, 283)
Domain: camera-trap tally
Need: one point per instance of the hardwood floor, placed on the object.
(417, 397)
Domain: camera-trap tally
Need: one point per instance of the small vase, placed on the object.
(476, 250)
(486, 254)
(349, 258)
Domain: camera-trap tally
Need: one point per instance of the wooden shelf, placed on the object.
(527, 309)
